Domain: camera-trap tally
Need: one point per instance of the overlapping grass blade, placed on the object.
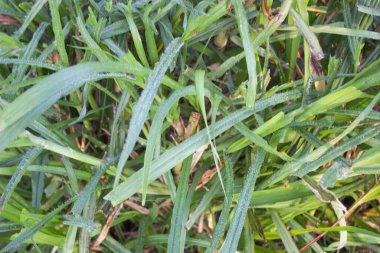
(58, 32)
(29, 232)
(233, 235)
(29, 17)
(177, 235)
(41, 96)
(141, 108)
(173, 156)
(222, 222)
(289, 244)
(248, 50)
(28, 158)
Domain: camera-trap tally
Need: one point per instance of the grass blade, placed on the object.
(248, 50)
(28, 158)
(177, 235)
(173, 156)
(58, 32)
(29, 232)
(141, 109)
(219, 229)
(289, 244)
(233, 235)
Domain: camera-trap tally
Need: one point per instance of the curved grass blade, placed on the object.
(153, 145)
(27, 107)
(141, 109)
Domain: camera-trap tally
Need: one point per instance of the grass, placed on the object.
(189, 126)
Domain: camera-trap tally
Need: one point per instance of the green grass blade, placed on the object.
(287, 240)
(58, 32)
(88, 190)
(199, 78)
(177, 235)
(28, 158)
(70, 239)
(248, 50)
(29, 17)
(173, 156)
(141, 108)
(236, 227)
(71, 175)
(135, 34)
(222, 222)
(310, 37)
(13, 119)
(29, 232)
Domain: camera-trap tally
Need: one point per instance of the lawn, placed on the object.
(189, 126)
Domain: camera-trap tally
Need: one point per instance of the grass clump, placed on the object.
(189, 126)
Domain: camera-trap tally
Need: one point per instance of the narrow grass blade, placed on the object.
(233, 235)
(96, 49)
(141, 108)
(297, 169)
(219, 229)
(357, 121)
(177, 235)
(58, 32)
(248, 50)
(20, 70)
(30, 63)
(29, 232)
(199, 78)
(71, 175)
(70, 239)
(17, 115)
(173, 156)
(202, 22)
(260, 39)
(114, 245)
(114, 130)
(88, 190)
(135, 34)
(88, 213)
(310, 37)
(287, 240)
(29, 17)
(342, 222)
(28, 158)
